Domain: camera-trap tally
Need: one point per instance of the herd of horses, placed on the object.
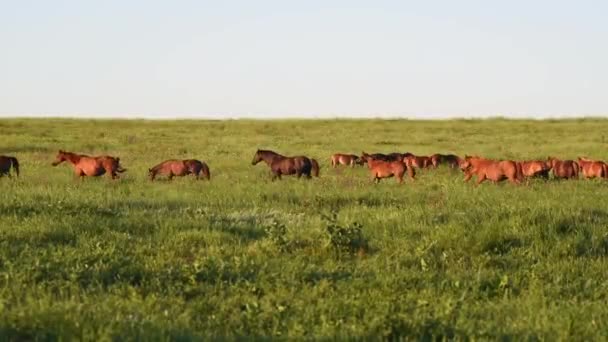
(380, 166)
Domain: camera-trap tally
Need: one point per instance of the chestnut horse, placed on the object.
(450, 160)
(593, 168)
(344, 159)
(565, 169)
(490, 169)
(5, 166)
(535, 168)
(282, 165)
(90, 166)
(173, 167)
(421, 162)
(384, 169)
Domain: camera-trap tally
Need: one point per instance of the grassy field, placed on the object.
(330, 257)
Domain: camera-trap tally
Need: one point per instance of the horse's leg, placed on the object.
(480, 178)
(467, 176)
(171, 175)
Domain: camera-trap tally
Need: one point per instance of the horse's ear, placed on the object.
(60, 151)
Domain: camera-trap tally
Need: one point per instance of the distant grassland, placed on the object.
(242, 256)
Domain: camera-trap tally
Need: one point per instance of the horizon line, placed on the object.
(219, 117)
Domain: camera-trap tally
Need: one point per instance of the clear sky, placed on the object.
(286, 58)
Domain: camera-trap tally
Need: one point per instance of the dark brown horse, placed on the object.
(173, 167)
(450, 160)
(282, 165)
(5, 166)
(394, 156)
(565, 169)
(90, 166)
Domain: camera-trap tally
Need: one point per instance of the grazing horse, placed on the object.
(593, 168)
(180, 168)
(421, 162)
(450, 160)
(384, 169)
(282, 165)
(90, 166)
(565, 169)
(345, 159)
(490, 169)
(535, 168)
(5, 166)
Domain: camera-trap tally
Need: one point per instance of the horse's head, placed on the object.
(59, 158)
(464, 163)
(151, 174)
(257, 157)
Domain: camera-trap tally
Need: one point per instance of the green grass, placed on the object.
(243, 256)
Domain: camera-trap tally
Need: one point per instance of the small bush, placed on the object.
(345, 239)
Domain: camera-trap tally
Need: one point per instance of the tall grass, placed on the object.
(331, 257)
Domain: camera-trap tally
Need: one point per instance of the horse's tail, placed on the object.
(605, 170)
(576, 168)
(206, 172)
(315, 167)
(15, 164)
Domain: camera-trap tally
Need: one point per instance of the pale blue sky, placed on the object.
(303, 58)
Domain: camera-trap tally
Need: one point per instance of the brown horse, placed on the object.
(180, 168)
(490, 169)
(535, 168)
(5, 166)
(565, 169)
(450, 160)
(282, 165)
(345, 159)
(593, 168)
(391, 157)
(90, 166)
(421, 162)
(384, 169)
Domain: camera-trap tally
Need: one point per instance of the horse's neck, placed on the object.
(271, 157)
(73, 158)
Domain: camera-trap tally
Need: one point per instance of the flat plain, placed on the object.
(331, 257)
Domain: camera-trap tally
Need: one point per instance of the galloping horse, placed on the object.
(490, 169)
(450, 160)
(344, 159)
(180, 168)
(282, 165)
(593, 168)
(421, 162)
(90, 166)
(380, 168)
(5, 166)
(564, 168)
(391, 157)
(535, 168)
